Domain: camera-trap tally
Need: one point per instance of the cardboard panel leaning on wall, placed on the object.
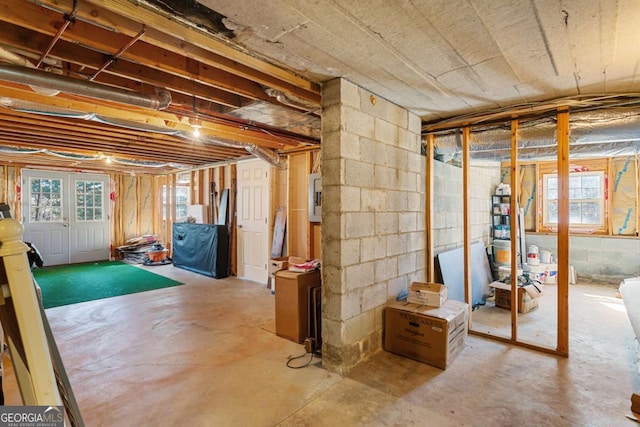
(624, 196)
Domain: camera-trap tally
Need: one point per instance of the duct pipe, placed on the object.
(19, 60)
(65, 84)
(267, 155)
(15, 59)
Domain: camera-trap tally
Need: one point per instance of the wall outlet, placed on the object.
(309, 345)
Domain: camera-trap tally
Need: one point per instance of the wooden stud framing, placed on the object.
(563, 285)
(429, 208)
(309, 225)
(637, 193)
(5, 183)
(232, 217)
(138, 187)
(563, 233)
(466, 142)
(515, 218)
(608, 207)
(170, 190)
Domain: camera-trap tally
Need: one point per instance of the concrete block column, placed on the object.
(373, 237)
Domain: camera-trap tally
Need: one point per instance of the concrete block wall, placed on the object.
(602, 259)
(448, 204)
(373, 228)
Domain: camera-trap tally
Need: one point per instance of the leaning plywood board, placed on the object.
(451, 265)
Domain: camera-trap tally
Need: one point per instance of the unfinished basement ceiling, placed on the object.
(445, 58)
(252, 72)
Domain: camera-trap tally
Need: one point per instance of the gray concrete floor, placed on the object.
(204, 354)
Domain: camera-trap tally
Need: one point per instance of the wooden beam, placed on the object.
(87, 138)
(308, 225)
(236, 133)
(123, 74)
(233, 193)
(515, 232)
(514, 342)
(126, 17)
(466, 194)
(563, 232)
(108, 42)
(429, 209)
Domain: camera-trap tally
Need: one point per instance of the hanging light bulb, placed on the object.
(195, 125)
(108, 159)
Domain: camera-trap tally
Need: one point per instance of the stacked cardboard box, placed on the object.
(433, 294)
(432, 335)
(275, 265)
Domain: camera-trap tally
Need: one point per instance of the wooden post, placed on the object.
(563, 232)
(428, 211)
(309, 225)
(514, 218)
(233, 192)
(467, 220)
(34, 373)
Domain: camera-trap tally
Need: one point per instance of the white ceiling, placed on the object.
(441, 58)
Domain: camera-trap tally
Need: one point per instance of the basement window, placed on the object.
(181, 202)
(586, 201)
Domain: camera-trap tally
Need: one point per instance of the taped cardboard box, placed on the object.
(528, 296)
(433, 294)
(432, 335)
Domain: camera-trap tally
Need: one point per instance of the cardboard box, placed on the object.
(292, 303)
(528, 296)
(433, 294)
(432, 335)
(277, 264)
(297, 260)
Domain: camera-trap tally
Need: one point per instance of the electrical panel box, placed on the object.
(315, 197)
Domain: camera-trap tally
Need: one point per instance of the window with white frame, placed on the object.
(181, 201)
(45, 204)
(89, 200)
(586, 200)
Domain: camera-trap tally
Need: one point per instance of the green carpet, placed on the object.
(71, 284)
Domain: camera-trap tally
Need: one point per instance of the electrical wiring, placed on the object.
(292, 358)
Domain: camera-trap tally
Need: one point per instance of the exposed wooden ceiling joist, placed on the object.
(208, 79)
(189, 42)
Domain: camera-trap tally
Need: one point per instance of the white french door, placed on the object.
(253, 219)
(66, 215)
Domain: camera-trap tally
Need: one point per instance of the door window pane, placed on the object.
(89, 196)
(45, 203)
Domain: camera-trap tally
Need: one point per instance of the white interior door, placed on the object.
(253, 219)
(65, 215)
